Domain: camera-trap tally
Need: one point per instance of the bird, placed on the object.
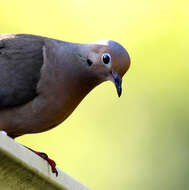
(43, 80)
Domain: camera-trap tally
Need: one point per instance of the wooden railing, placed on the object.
(20, 169)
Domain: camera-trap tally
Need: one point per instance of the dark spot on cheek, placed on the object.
(89, 62)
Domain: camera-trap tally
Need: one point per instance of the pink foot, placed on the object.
(45, 157)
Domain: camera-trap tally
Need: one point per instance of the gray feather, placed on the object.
(21, 60)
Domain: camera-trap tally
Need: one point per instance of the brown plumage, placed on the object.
(43, 80)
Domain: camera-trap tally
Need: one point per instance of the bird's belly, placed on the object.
(34, 117)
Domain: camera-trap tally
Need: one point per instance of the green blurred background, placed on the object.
(137, 142)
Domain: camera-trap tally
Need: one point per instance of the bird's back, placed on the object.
(20, 62)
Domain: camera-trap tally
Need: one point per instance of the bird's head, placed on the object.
(108, 60)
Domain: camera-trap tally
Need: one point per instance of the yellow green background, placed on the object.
(141, 140)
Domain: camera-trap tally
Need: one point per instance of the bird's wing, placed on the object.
(21, 60)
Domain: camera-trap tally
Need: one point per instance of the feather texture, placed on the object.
(20, 63)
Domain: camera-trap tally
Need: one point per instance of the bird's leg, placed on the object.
(45, 157)
(42, 155)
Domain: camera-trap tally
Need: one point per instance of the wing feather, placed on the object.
(21, 60)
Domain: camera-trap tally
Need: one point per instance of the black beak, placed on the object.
(117, 82)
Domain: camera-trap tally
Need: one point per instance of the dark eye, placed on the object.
(106, 58)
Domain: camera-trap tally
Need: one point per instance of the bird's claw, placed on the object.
(50, 162)
(45, 157)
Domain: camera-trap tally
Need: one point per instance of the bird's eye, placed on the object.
(106, 58)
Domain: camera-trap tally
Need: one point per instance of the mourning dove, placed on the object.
(43, 80)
